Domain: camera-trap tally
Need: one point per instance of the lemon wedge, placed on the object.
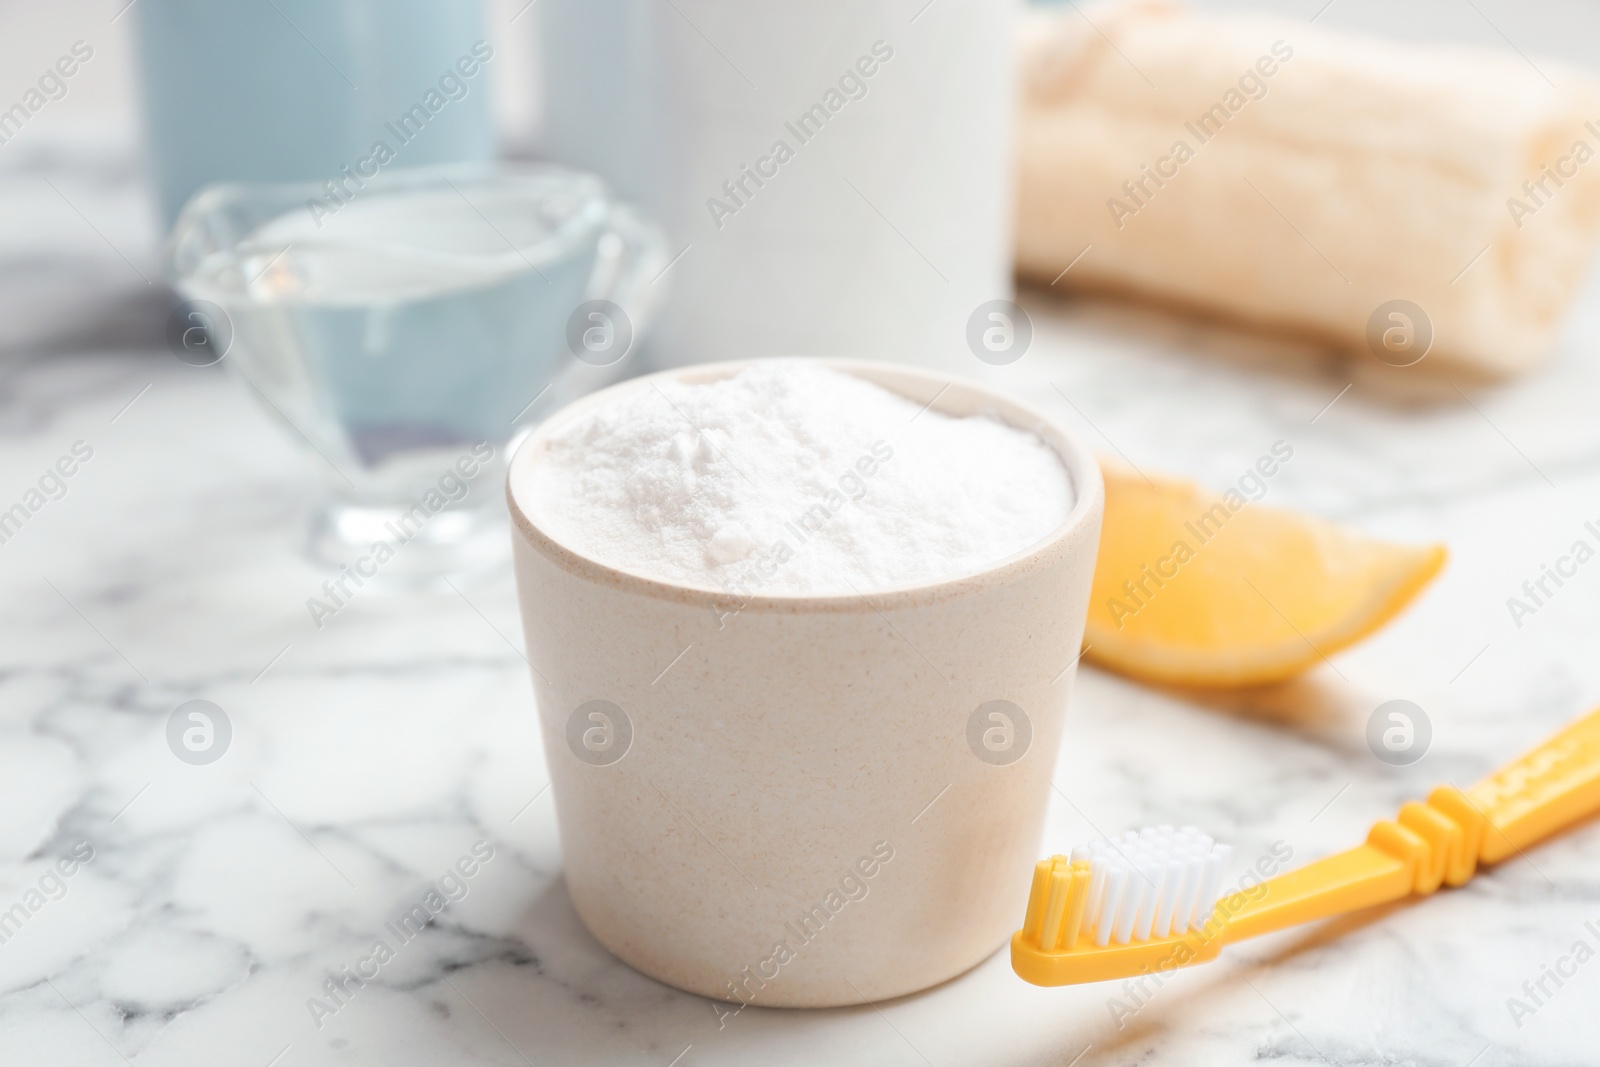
(1195, 589)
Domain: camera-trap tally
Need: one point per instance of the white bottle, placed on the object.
(836, 174)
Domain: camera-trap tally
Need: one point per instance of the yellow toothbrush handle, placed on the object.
(1346, 881)
(1550, 788)
(1437, 843)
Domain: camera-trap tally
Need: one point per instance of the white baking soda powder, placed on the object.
(793, 478)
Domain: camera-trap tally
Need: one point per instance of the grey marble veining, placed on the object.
(370, 756)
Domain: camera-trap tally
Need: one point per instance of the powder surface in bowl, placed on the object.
(793, 478)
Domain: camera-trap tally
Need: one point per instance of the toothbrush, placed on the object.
(1149, 900)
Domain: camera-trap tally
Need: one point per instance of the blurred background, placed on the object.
(95, 132)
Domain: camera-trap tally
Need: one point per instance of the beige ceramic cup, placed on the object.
(805, 801)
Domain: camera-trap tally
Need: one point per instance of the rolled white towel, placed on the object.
(1303, 178)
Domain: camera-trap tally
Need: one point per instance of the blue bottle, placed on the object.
(300, 90)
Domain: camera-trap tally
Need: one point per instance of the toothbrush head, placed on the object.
(1142, 902)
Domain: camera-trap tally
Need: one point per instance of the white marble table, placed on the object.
(369, 756)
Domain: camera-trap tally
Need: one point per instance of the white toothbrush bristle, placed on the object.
(1097, 886)
(1111, 894)
(1150, 874)
(1128, 907)
(1206, 900)
(1141, 884)
(1171, 877)
(1188, 886)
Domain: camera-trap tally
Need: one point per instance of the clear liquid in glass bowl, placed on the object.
(408, 336)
